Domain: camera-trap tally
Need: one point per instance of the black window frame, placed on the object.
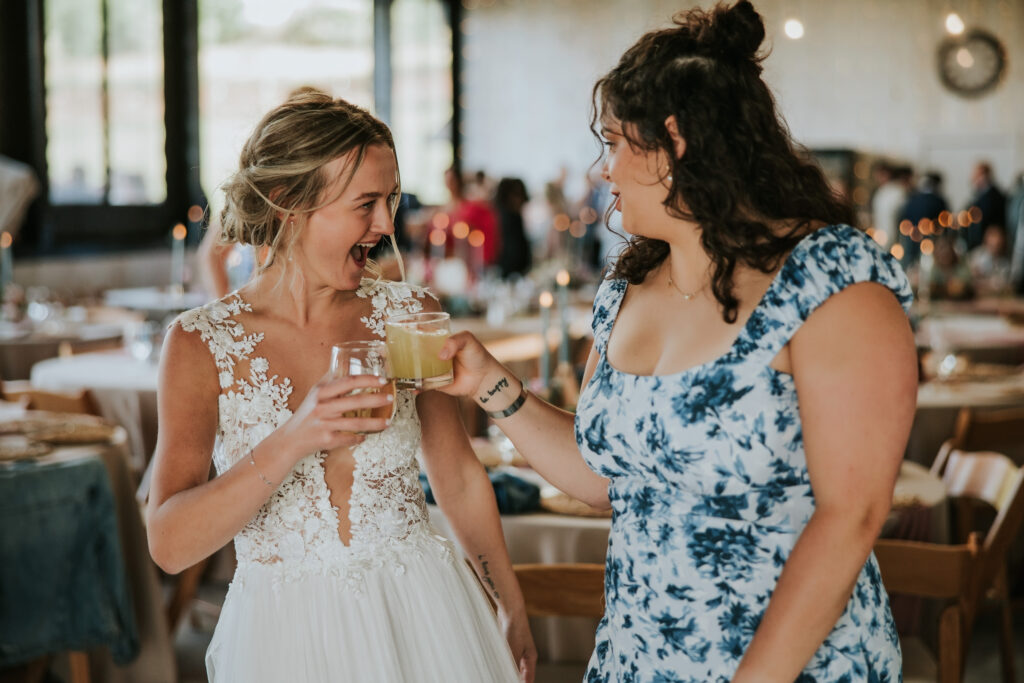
(76, 229)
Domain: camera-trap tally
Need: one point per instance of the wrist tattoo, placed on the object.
(486, 578)
(502, 384)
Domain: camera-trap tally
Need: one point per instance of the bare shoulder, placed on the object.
(861, 333)
(186, 361)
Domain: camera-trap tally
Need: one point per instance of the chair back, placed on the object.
(1000, 430)
(80, 401)
(562, 590)
(945, 572)
(985, 482)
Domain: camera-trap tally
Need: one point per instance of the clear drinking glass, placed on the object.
(365, 358)
(414, 340)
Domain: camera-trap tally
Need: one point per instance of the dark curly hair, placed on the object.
(741, 170)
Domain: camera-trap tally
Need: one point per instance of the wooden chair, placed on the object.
(980, 483)
(561, 590)
(80, 401)
(931, 570)
(999, 430)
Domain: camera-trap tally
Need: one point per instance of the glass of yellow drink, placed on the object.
(364, 358)
(414, 340)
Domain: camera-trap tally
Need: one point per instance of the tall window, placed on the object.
(146, 100)
(104, 102)
(421, 95)
(252, 53)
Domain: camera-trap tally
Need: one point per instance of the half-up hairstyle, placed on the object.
(280, 172)
(741, 169)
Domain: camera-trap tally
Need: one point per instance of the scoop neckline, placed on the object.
(744, 331)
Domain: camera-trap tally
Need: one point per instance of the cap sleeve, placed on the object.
(606, 306)
(823, 264)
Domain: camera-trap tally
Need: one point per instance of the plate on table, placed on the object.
(20, 447)
(72, 429)
(61, 428)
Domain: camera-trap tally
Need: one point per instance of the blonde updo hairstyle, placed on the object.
(280, 177)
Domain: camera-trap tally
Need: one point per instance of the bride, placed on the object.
(340, 577)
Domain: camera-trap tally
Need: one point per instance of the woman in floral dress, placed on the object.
(749, 393)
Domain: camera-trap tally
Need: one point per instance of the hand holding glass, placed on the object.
(414, 341)
(364, 358)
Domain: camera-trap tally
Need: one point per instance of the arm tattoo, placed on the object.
(502, 384)
(486, 578)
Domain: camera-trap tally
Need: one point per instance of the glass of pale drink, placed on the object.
(365, 358)
(415, 340)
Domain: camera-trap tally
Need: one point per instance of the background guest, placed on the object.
(990, 201)
(927, 202)
(989, 263)
(516, 253)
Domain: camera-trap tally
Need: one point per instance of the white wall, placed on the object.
(863, 76)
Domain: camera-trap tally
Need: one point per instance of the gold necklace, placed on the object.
(687, 295)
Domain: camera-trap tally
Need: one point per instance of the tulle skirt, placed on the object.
(429, 623)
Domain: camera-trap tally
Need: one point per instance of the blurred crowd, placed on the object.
(976, 250)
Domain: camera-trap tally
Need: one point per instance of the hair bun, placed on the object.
(736, 32)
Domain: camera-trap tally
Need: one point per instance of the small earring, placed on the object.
(669, 176)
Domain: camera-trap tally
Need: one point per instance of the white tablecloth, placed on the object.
(124, 388)
(154, 299)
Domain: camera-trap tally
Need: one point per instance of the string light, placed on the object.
(794, 29)
(954, 24)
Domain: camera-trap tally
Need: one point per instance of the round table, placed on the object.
(981, 337)
(155, 661)
(124, 389)
(156, 301)
(938, 403)
(22, 346)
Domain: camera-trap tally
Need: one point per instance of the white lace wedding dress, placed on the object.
(396, 604)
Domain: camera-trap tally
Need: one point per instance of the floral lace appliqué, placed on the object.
(295, 533)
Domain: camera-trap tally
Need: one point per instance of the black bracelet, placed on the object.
(512, 409)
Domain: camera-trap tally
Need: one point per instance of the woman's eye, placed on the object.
(368, 205)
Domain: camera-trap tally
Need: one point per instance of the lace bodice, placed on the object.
(296, 530)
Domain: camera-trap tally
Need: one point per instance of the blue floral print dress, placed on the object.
(709, 490)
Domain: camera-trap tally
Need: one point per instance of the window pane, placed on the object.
(138, 167)
(252, 53)
(74, 101)
(421, 99)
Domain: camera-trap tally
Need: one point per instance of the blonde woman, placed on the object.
(340, 577)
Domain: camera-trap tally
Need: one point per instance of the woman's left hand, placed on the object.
(520, 640)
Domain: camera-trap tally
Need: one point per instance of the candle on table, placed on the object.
(562, 279)
(476, 256)
(438, 235)
(437, 238)
(925, 269)
(545, 318)
(178, 257)
(6, 262)
(460, 231)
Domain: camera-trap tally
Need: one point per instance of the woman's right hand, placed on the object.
(318, 423)
(471, 362)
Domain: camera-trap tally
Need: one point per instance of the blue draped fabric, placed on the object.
(62, 578)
